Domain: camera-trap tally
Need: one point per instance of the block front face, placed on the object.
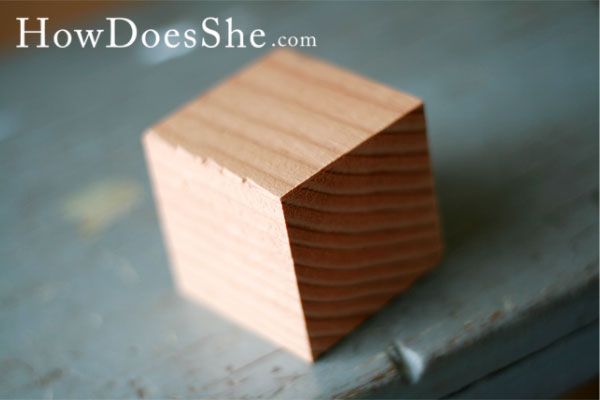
(227, 242)
(296, 198)
(363, 229)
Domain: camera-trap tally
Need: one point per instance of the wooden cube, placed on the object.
(296, 198)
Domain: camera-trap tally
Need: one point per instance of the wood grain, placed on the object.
(296, 198)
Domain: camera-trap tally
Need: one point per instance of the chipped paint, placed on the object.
(410, 363)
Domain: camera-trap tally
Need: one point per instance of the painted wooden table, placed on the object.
(87, 307)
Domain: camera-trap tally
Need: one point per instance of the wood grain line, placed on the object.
(344, 81)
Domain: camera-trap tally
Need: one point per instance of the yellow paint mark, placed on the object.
(102, 203)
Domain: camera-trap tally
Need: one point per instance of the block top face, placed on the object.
(281, 120)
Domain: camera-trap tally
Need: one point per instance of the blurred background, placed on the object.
(87, 307)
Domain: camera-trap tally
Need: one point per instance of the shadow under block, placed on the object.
(296, 198)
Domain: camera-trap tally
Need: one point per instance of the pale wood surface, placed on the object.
(282, 119)
(512, 101)
(227, 243)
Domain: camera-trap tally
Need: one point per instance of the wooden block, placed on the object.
(296, 198)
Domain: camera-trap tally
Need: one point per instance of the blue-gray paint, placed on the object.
(512, 100)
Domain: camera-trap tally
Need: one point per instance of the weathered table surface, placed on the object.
(87, 308)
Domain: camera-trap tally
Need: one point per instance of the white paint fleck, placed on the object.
(172, 338)
(127, 273)
(96, 319)
(507, 304)
(413, 362)
(47, 292)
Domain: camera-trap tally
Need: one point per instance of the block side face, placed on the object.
(363, 229)
(227, 244)
(283, 119)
